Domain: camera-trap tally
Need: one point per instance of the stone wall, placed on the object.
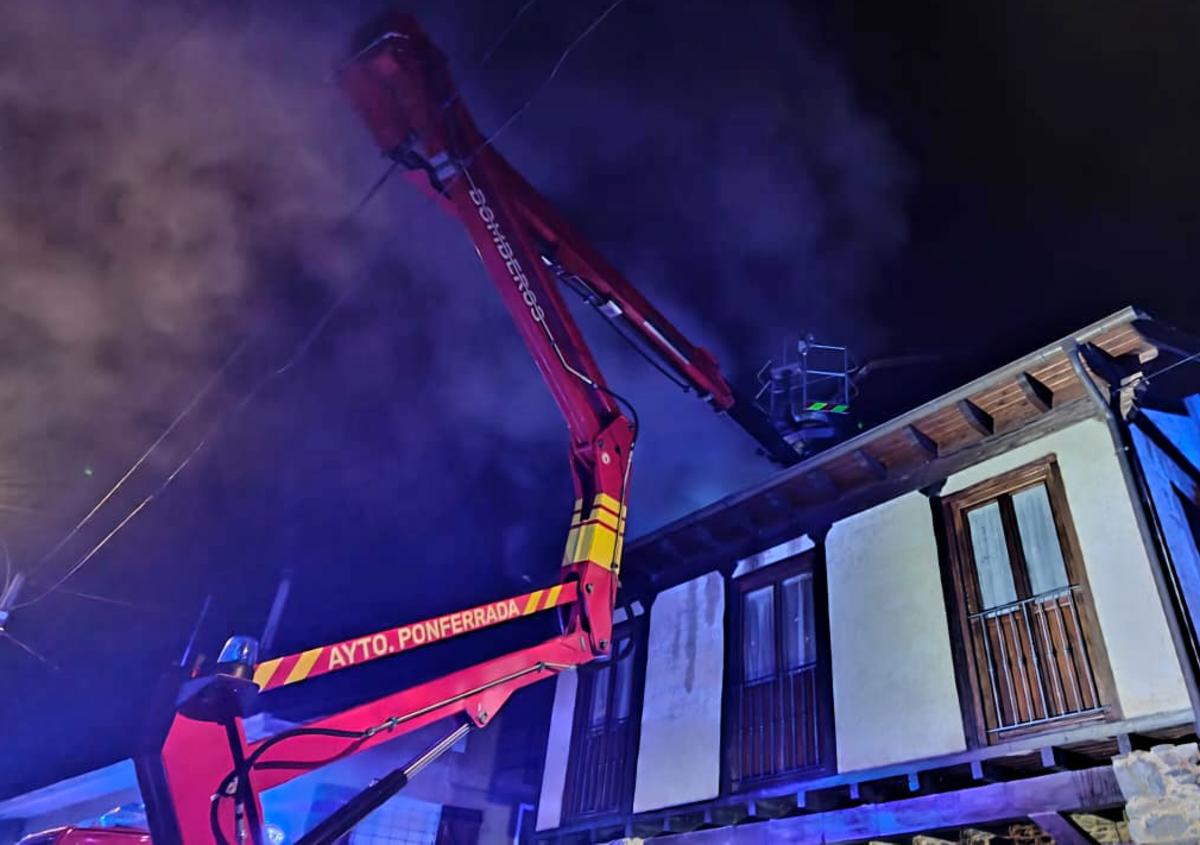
(1162, 792)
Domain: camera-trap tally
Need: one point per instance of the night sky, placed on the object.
(961, 182)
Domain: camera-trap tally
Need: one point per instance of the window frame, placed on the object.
(965, 598)
(811, 562)
(637, 629)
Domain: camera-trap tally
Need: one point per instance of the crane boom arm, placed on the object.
(401, 85)
(202, 778)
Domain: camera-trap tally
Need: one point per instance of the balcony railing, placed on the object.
(1035, 666)
(600, 781)
(777, 730)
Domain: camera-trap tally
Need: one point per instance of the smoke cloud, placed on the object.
(152, 165)
(174, 180)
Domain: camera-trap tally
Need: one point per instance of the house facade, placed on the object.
(954, 623)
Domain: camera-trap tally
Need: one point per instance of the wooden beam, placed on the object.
(874, 467)
(837, 503)
(826, 799)
(1036, 393)
(1061, 792)
(948, 774)
(1064, 831)
(744, 522)
(668, 548)
(890, 789)
(976, 417)
(823, 482)
(1127, 743)
(946, 779)
(700, 535)
(1063, 760)
(1167, 337)
(778, 502)
(1114, 370)
(986, 771)
(922, 441)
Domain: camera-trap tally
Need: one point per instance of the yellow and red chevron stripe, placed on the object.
(599, 538)
(281, 671)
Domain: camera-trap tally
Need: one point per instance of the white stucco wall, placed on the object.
(680, 754)
(893, 675)
(558, 746)
(1145, 670)
(795, 546)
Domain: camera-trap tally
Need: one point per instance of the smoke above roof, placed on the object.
(174, 184)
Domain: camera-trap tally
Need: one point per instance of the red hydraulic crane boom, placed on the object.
(401, 85)
(202, 777)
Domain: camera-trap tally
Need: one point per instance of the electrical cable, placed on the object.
(251, 762)
(109, 600)
(487, 142)
(298, 352)
(212, 431)
(658, 365)
(1148, 376)
(213, 380)
(372, 191)
(337, 733)
(503, 36)
(584, 292)
(491, 51)
(228, 785)
(79, 564)
(321, 323)
(308, 765)
(214, 819)
(633, 414)
(25, 647)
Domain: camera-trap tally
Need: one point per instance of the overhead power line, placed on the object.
(300, 349)
(204, 390)
(575, 42)
(297, 353)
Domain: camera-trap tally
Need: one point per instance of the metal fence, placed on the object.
(1035, 665)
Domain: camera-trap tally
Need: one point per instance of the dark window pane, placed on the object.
(991, 556)
(799, 635)
(599, 709)
(758, 634)
(1039, 540)
(623, 693)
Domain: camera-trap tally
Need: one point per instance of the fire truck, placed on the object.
(202, 778)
